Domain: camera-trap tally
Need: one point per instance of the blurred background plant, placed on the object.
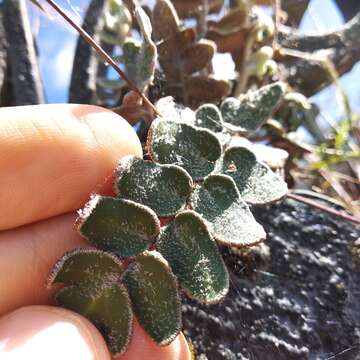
(203, 51)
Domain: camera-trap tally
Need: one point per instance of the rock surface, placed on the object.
(297, 297)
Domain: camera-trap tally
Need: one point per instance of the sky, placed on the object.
(56, 43)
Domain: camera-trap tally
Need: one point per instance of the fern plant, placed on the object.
(159, 235)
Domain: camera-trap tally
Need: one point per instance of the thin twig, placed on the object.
(103, 54)
(340, 190)
(319, 206)
(345, 177)
(243, 76)
(277, 20)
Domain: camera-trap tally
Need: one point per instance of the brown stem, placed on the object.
(277, 10)
(103, 54)
(323, 207)
(243, 76)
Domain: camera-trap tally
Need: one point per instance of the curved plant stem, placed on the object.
(102, 54)
(243, 72)
(323, 207)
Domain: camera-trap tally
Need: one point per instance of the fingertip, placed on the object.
(63, 152)
(143, 347)
(45, 332)
(100, 120)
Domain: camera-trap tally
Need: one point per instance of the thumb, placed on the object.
(45, 332)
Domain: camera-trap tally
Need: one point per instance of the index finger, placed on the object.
(53, 156)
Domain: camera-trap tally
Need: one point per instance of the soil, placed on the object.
(295, 297)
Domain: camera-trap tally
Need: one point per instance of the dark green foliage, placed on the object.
(86, 266)
(140, 59)
(107, 307)
(120, 226)
(128, 226)
(195, 149)
(94, 291)
(153, 291)
(194, 258)
(251, 110)
(209, 116)
(229, 218)
(256, 182)
(164, 188)
(193, 165)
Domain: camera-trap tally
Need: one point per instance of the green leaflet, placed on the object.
(86, 266)
(108, 308)
(194, 257)
(153, 291)
(209, 116)
(94, 290)
(249, 112)
(121, 226)
(231, 222)
(140, 59)
(256, 182)
(164, 188)
(194, 149)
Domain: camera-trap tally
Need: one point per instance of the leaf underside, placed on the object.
(154, 296)
(120, 226)
(164, 188)
(194, 149)
(194, 258)
(231, 222)
(256, 182)
(140, 59)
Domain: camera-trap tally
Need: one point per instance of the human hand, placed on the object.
(51, 158)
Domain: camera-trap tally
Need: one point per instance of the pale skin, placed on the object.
(51, 158)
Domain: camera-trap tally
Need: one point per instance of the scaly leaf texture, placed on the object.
(123, 227)
(194, 258)
(249, 112)
(194, 149)
(209, 116)
(108, 308)
(86, 266)
(229, 218)
(94, 290)
(256, 182)
(164, 188)
(154, 296)
(140, 59)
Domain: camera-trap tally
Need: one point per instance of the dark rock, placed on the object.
(301, 302)
(86, 62)
(23, 72)
(3, 50)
